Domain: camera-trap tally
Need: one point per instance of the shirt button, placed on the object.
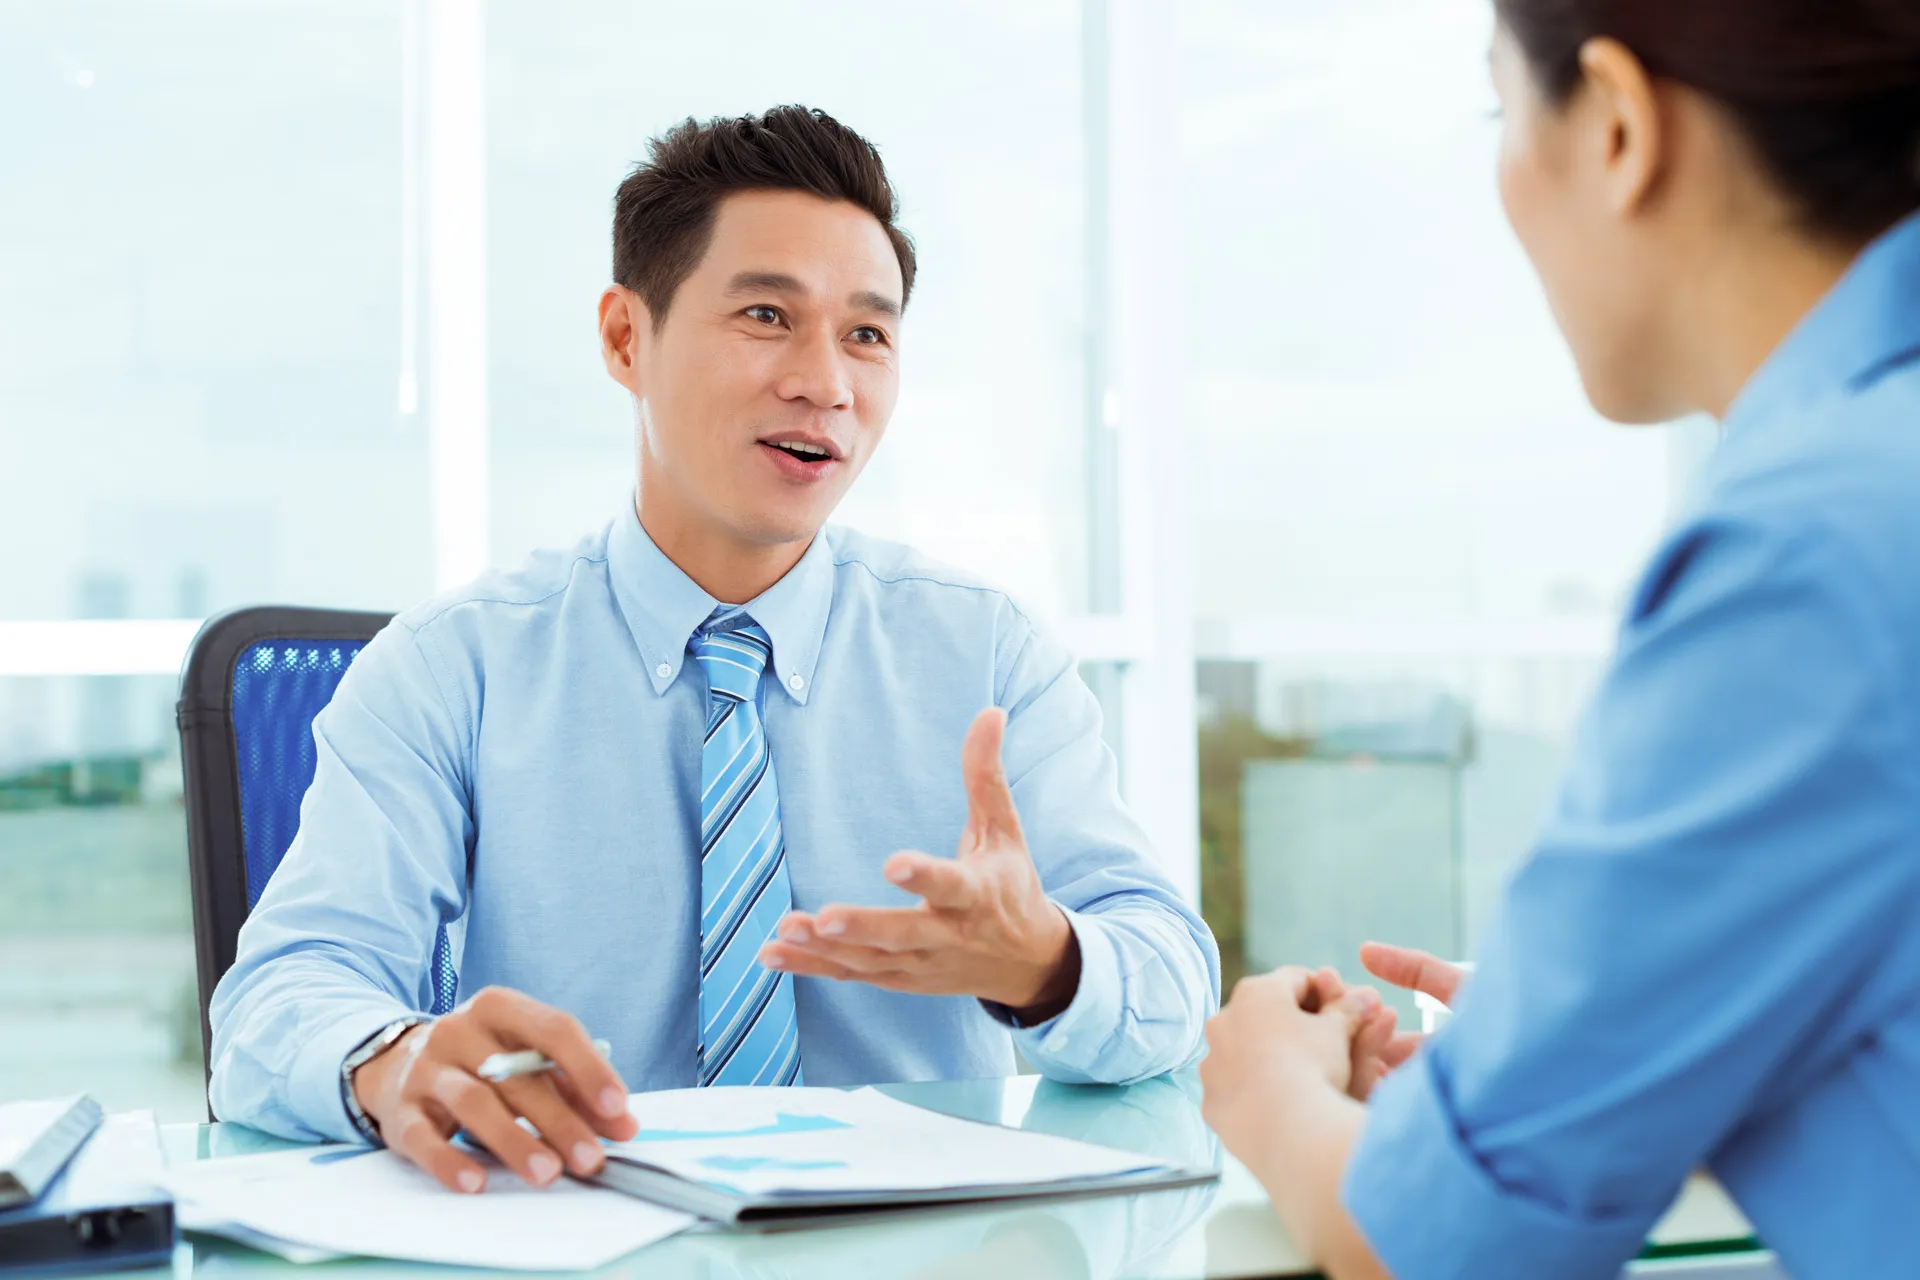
(796, 683)
(663, 671)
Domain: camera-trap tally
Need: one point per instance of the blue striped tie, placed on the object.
(748, 1031)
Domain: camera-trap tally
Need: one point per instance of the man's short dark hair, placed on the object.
(664, 213)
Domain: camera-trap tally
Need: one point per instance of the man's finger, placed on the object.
(859, 959)
(991, 814)
(888, 928)
(783, 957)
(415, 1137)
(942, 882)
(1416, 970)
(482, 1113)
(521, 1022)
(538, 1098)
(620, 1128)
(802, 963)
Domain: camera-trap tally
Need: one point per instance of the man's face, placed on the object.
(771, 382)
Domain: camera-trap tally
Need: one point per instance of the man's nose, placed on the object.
(816, 372)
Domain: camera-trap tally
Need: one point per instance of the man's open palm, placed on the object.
(984, 926)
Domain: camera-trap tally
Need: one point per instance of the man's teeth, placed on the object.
(794, 446)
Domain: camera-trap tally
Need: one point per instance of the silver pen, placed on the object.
(526, 1062)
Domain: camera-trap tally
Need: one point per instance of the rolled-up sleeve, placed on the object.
(1150, 971)
(341, 941)
(1696, 929)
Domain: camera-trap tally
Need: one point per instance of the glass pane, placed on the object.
(199, 364)
(1386, 432)
(97, 987)
(979, 117)
(200, 328)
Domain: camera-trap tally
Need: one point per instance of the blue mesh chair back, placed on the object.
(279, 686)
(254, 681)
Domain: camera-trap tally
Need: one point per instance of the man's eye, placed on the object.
(765, 315)
(866, 335)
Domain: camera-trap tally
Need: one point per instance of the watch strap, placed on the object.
(364, 1052)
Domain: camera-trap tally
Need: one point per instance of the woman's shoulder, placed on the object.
(1837, 478)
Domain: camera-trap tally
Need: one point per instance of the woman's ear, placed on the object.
(1625, 124)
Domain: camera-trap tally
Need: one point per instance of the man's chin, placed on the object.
(783, 529)
(772, 522)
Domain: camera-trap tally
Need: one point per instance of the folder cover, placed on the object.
(775, 1159)
(103, 1212)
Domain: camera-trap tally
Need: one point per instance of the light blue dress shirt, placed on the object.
(521, 762)
(1712, 957)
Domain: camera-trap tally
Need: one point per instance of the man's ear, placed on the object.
(625, 325)
(1636, 140)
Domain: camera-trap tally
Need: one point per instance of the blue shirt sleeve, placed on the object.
(1150, 971)
(1693, 933)
(341, 941)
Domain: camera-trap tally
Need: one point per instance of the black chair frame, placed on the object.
(216, 849)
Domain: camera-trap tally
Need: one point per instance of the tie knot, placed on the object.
(733, 653)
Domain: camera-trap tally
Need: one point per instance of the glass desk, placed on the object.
(1221, 1230)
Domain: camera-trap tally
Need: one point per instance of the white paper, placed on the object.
(351, 1200)
(195, 1217)
(121, 1162)
(758, 1142)
(22, 1124)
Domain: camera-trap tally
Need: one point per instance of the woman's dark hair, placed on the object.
(1827, 91)
(664, 212)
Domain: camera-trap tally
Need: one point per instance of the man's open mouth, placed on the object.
(809, 453)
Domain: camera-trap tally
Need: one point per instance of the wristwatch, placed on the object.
(367, 1050)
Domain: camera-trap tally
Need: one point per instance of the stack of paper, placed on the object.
(776, 1156)
(315, 1202)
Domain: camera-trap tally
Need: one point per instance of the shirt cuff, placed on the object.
(1068, 1045)
(1429, 1207)
(315, 1085)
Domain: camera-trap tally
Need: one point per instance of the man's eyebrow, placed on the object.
(779, 282)
(880, 302)
(764, 282)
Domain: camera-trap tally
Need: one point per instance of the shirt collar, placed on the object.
(1868, 324)
(663, 607)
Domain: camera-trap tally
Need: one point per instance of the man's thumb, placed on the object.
(988, 798)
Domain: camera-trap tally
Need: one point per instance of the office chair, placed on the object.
(254, 680)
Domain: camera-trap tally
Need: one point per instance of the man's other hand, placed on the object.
(984, 927)
(424, 1090)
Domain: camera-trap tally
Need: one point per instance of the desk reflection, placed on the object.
(1150, 1234)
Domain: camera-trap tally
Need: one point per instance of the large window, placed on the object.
(980, 123)
(1411, 533)
(300, 309)
(199, 356)
(1220, 349)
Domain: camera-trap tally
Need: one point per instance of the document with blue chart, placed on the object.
(770, 1158)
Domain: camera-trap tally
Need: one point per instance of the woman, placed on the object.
(1712, 957)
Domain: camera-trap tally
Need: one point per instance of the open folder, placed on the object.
(770, 1159)
(102, 1211)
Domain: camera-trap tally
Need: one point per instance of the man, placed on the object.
(641, 781)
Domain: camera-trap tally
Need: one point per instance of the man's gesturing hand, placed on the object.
(423, 1090)
(985, 926)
